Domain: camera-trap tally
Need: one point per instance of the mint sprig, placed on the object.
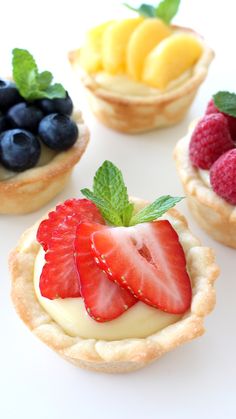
(111, 197)
(225, 102)
(165, 10)
(30, 83)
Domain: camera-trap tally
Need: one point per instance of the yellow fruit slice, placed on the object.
(115, 41)
(144, 38)
(170, 59)
(91, 52)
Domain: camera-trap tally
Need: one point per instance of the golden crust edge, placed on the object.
(115, 356)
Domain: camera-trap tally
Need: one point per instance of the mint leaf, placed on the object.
(55, 91)
(144, 10)
(111, 197)
(109, 184)
(44, 79)
(30, 83)
(110, 194)
(155, 210)
(167, 9)
(106, 209)
(24, 71)
(225, 102)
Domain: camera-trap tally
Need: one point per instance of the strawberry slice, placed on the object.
(103, 299)
(59, 277)
(83, 209)
(149, 261)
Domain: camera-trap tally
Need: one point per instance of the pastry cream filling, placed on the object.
(124, 85)
(139, 321)
(45, 157)
(205, 176)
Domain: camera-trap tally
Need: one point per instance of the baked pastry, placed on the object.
(111, 328)
(206, 164)
(141, 73)
(39, 142)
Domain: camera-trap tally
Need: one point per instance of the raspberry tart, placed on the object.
(107, 283)
(206, 163)
(39, 140)
(142, 73)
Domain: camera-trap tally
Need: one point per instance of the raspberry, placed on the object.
(210, 139)
(211, 108)
(223, 176)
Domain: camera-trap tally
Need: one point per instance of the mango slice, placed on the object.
(172, 57)
(115, 42)
(144, 38)
(91, 52)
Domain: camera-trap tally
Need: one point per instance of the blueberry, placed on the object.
(64, 106)
(58, 131)
(26, 116)
(19, 150)
(9, 95)
(4, 124)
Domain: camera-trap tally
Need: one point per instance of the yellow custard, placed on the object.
(124, 85)
(139, 321)
(45, 157)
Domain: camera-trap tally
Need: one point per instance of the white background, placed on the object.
(197, 380)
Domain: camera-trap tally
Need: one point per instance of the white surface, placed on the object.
(198, 379)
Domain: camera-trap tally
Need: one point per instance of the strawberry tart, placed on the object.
(112, 283)
(206, 163)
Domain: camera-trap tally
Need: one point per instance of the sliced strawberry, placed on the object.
(103, 299)
(59, 277)
(83, 209)
(148, 260)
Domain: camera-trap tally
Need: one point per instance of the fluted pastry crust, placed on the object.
(121, 355)
(214, 214)
(33, 188)
(134, 114)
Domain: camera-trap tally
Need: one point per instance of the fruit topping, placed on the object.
(4, 123)
(210, 139)
(115, 42)
(9, 95)
(104, 300)
(149, 261)
(59, 277)
(225, 102)
(60, 105)
(58, 131)
(146, 36)
(19, 150)
(90, 55)
(223, 176)
(23, 106)
(146, 48)
(26, 116)
(172, 57)
(112, 267)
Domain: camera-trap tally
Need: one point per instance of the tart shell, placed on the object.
(133, 114)
(214, 214)
(121, 355)
(30, 190)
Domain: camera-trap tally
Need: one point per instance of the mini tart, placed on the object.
(214, 214)
(120, 355)
(133, 114)
(30, 190)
